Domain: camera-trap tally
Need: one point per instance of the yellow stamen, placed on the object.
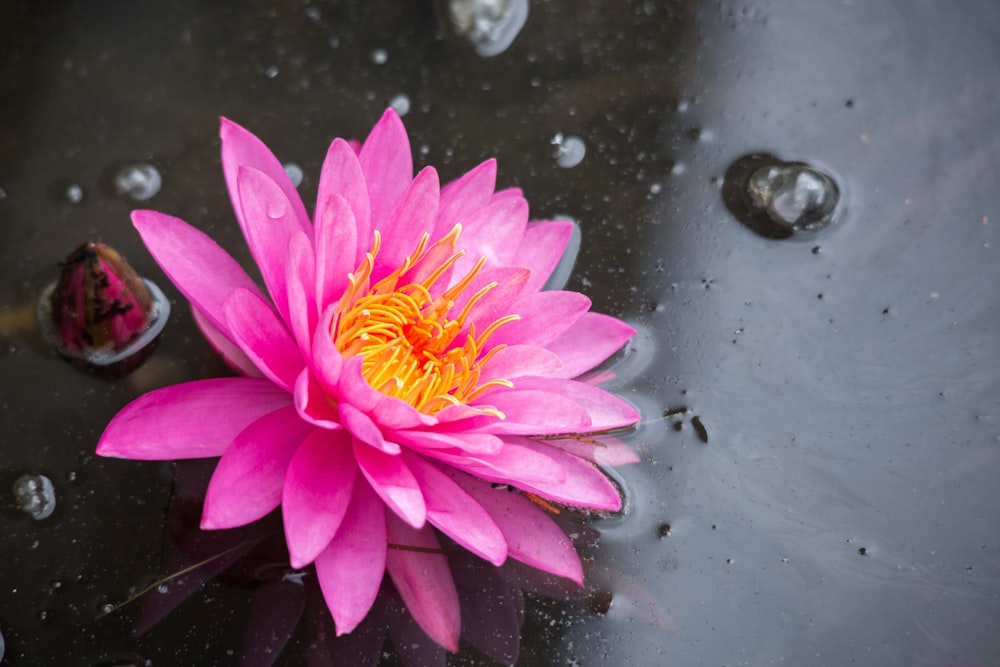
(413, 347)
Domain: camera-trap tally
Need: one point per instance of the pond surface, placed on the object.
(824, 489)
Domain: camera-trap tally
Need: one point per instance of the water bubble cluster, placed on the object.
(794, 195)
(35, 496)
(570, 150)
(138, 182)
(779, 199)
(489, 25)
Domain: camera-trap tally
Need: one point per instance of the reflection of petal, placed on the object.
(631, 598)
(276, 610)
(491, 610)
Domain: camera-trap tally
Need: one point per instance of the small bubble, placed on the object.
(400, 104)
(106, 608)
(570, 150)
(138, 182)
(162, 589)
(294, 172)
(380, 56)
(271, 72)
(655, 188)
(74, 193)
(35, 496)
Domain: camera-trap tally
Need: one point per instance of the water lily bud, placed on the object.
(100, 311)
(100, 303)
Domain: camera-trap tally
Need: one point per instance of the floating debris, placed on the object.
(35, 496)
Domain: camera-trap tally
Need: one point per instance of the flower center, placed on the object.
(413, 346)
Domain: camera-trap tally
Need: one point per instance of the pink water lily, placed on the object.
(402, 374)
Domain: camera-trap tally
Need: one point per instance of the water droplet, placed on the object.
(138, 182)
(295, 174)
(778, 199)
(74, 193)
(400, 103)
(380, 56)
(489, 25)
(35, 496)
(276, 210)
(570, 150)
(271, 72)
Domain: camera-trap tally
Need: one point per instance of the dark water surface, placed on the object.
(845, 508)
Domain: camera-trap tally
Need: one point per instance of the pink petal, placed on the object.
(388, 167)
(413, 215)
(494, 232)
(271, 222)
(452, 511)
(472, 443)
(318, 487)
(263, 337)
(520, 360)
(351, 568)
(462, 197)
(393, 482)
(326, 362)
(300, 279)
(201, 270)
(515, 463)
(508, 284)
(241, 148)
(424, 581)
(354, 388)
(247, 483)
(590, 341)
(336, 248)
(535, 412)
(544, 315)
(541, 250)
(313, 404)
(191, 420)
(231, 354)
(584, 484)
(342, 175)
(364, 429)
(600, 449)
(532, 536)
(606, 410)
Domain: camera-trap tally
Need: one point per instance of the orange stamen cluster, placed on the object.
(409, 339)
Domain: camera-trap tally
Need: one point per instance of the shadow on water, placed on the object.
(823, 490)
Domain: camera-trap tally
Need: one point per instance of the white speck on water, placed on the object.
(294, 172)
(314, 14)
(655, 188)
(35, 496)
(271, 72)
(570, 150)
(138, 182)
(380, 56)
(400, 104)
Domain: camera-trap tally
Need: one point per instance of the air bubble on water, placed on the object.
(162, 589)
(489, 25)
(35, 496)
(380, 56)
(294, 172)
(74, 193)
(570, 150)
(655, 188)
(271, 72)
(400, 104)
(138, 182)
(3, 193)
(794, 195)
(106, 608)
(314, 14)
